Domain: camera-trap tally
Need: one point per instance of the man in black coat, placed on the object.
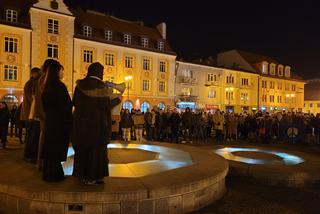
(92, 126)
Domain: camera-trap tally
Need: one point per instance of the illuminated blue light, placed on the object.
(287, 159)
(167, 159)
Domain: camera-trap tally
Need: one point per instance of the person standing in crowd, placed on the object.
(38, 109)
(19, 123)
(126, 122)
(175, 121)
(32, 124)
(13, 121)
(218, 120)
(4, 123)
(138, 122)
(91, 129)
(57, 106)
(148, 124)
(187, 120)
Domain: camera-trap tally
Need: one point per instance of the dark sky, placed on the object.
(288, 31)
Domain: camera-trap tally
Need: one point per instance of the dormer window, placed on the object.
(11, 15)
(287, 71)
(108, 35)
(160, 45)
(87, 31)
(265, 68)
(273, 69)
(144, 42)
(280, 70)
(127, 39)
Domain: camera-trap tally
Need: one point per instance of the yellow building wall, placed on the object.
(21, 59)
(41, 37)
(311, 107)
(119, 72)
(291, 99)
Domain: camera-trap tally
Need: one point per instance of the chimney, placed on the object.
(162, 28)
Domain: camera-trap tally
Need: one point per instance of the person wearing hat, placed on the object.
(93, 102)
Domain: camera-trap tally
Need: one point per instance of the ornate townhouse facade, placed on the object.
(238, 81)
(312, 97)
(32, 31)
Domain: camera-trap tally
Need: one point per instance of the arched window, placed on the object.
(161, 106)
(127, 105)
(144, 106)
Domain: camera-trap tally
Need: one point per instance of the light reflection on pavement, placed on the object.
(287, 159)
(167, 159)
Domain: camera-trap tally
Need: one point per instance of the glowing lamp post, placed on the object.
(128, 79)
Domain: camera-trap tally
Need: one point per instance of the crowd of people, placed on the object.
(264, 127)
(52, 120)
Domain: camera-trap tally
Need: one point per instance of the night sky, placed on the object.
(287, 31)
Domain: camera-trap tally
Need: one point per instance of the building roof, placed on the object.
(22, 7)
(252, 59)
(100, 22)
(312, 90)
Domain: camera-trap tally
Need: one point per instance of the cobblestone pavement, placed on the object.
(245, 197)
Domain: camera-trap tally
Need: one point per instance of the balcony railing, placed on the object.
(187, 80)
(187, 98)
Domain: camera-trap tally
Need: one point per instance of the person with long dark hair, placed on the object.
(4, 123)
(57, 107)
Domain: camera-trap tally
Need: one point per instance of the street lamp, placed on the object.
(128, 79)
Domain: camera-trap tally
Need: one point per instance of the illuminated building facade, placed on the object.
(32, 31)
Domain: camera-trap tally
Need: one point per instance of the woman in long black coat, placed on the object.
(4, 122)
(57, 106)
(91, 129)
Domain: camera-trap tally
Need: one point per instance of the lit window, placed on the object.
(244, 97)
(287, 71)
(11, 15)
(146, 85)
(129, 62)
(53, 51)
(110, 59)
(87, 56)
(144, 106)
(11, 45)
(229, 95)
(127, 105)
(245, 81)
(163, 66)
(127, 39)
(53, 26)
(212, 94)
(272, 69)
(144, 42)
(10, 73)
(108, 35)
(160, 45)
(265, 68)
(161, 106)
(188, 73)
(186, 91)
(162, 86)
(230, 79)
(212, 77)
(271, 85)
(271, 98)
(146, 64)
(87, 31)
